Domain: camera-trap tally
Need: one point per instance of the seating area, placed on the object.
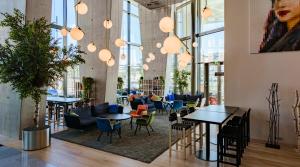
(149, 83)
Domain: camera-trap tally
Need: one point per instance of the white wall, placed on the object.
(248, 77)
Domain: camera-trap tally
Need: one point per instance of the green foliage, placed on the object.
(30, 59)
(120, 83)
(181, 80)
(162, 80)
(87, 86)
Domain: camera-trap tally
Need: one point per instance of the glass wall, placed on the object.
(131, 68)
(63, 14)
(209, 34)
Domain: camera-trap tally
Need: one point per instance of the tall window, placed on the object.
(209, 34)
(64, 15)
(130, 68)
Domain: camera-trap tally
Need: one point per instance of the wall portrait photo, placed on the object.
(274, 26)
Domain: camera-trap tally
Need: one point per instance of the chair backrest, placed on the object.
(183, 113)
(103, 125)
(158, 104)
(173, 117)
(203, 100)
(151, 118)
(142, 108)
(191, 109)
(178, 104)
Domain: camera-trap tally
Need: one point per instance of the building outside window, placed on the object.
(63, 14)
(130, 68)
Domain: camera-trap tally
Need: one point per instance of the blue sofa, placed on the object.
(84, 117)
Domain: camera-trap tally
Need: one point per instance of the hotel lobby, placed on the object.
(149, 83)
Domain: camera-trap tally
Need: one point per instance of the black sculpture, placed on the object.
(274, 117)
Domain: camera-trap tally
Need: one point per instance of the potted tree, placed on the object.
(120, 83)
(30, 61)
(181, 81)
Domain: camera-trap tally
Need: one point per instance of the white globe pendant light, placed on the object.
(185, 57)
(195, 44)
(141, 48)
(158, 45)
(76, 33)
(104, 55)
(145, 67)
(81, 8)
(151, 56)
(119, 42)
(64, 32)
(206, 12)
(107, 24)
(163, 50)
(91, 47)
(172, 45)
(148, 60)
(111, 62)
(166, 24)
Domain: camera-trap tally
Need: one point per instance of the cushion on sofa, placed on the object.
(113, 109)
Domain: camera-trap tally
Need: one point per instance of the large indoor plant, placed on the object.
(181, 80)
(87, 88)
(30, 59)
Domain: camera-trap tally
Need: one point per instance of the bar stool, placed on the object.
(228, 135)
(185, 136)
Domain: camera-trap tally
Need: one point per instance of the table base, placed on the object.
(201, 154)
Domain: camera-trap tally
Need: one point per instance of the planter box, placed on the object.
(36, 138)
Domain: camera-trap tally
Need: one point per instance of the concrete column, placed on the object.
(105, 77)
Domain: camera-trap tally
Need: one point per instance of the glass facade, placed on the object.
(209, 34)
(130, 68)
(63, 14)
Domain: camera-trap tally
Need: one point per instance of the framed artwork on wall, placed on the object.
(274, 26)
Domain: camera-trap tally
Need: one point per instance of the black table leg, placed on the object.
(207, 131)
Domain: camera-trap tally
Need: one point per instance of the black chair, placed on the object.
(227, 135)
(245, 118)
(186, 131)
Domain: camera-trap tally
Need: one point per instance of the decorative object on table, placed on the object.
(274, 117)
(296, 113)
(181, 79)
(31, 61)
(87, 83)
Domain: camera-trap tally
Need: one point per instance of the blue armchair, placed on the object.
(160, 107)
(177, 105)
(104, 125)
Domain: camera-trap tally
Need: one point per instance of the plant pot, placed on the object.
(36, 138)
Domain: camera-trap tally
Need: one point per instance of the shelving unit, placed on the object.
(153, 86)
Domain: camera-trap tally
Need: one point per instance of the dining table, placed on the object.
(65, 101)
(213, 114)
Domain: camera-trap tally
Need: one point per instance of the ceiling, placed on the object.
(154, 4)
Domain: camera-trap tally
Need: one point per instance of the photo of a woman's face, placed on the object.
(286, 10)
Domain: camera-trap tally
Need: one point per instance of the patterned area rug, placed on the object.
(140, 147)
